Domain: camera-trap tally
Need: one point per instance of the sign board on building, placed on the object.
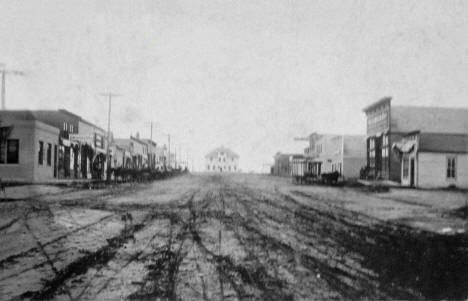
(83, 139)
(98, 140)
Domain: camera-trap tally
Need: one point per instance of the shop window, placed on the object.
(2, 152)
(405, 167)
(9, 151)
(40, 153)
(385, 152)
(451, 167)
(49, 154)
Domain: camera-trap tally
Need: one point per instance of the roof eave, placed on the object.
(377, 103)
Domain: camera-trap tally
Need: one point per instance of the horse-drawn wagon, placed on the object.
(301, 169)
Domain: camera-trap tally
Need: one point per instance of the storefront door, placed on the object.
(412, 172)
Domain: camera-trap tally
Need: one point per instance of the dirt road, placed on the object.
(230, 238)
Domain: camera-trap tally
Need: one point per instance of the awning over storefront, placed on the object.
(65, 142)
(404, 146)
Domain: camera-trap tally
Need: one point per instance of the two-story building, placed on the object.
(161, 157)
(389, 125)
(89, 148)
(151, 147)
(222, 159)
(281, 166)
(138, 150)
(328, 153)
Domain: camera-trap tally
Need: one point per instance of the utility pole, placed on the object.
(151, 132)
(4, 74)
(169, 143)
(150, 123)
(109, 95)
(175, 157)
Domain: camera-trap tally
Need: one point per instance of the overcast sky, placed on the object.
(249, 75)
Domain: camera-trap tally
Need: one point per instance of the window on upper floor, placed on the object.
(319, 148)
(371, 143)
(384, 140)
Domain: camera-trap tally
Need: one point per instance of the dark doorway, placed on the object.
(378, 157)
(412, 172)
(55, 161)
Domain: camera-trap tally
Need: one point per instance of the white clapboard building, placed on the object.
(222, 159)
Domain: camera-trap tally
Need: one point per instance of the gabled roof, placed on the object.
(443, 143)
(222, 149)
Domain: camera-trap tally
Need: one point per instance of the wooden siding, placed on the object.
(432, 170)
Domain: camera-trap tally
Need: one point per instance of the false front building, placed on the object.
(417, 146)
(222, 159)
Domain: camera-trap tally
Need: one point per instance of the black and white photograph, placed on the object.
(231, 150)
